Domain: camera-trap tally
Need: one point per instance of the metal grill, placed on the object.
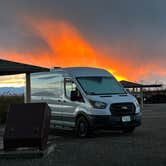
(119, 109)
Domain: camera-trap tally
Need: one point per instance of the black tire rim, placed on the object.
(83, 129)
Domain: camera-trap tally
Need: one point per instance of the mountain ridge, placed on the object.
(11, 90)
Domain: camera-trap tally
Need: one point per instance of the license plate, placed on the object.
(126, 118)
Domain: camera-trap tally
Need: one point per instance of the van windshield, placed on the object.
(100, 85)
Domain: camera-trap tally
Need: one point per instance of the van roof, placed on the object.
(86, 71)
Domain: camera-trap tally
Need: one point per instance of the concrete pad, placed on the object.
(27, 152)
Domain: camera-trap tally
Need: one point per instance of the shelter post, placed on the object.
(141, 97)
(27, 98)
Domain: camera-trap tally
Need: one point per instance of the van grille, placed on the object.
(119, 109)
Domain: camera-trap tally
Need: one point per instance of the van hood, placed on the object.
(113, 98)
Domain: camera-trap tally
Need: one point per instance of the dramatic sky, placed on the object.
(126, 37)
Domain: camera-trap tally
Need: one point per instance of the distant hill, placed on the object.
(11, 90)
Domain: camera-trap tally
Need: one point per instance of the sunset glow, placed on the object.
(67, 48)
(12, 81)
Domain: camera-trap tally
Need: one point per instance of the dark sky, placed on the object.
(134, 29)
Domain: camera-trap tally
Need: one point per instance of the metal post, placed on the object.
(141, 97)
(133, 91)
(27, 98)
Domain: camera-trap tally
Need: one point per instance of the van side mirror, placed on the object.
(75, 96)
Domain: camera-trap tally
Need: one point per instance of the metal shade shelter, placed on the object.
(128, 84)
(10, 67)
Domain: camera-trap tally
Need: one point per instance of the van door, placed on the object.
(69, 106)
(56, 87)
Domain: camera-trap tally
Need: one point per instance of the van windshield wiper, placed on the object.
(111, 94)
(114, 93)
(92, 93)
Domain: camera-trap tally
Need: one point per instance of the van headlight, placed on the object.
(138, 109)
(98, 104)
(136, 103)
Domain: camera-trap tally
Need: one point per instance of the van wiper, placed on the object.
(109, 93)
(92, 93)
(113, 94)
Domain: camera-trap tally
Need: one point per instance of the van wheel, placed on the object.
(82, 127)
(128, 129)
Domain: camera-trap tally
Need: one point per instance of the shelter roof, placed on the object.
(10, 67)
(128, 84)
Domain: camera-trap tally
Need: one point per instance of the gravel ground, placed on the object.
(146, 146)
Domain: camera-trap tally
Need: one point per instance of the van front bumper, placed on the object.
(113, 122)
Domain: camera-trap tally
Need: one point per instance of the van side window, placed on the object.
(71, 91)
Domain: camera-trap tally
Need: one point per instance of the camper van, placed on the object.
(85, 99)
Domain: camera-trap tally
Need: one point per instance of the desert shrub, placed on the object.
(5, 102)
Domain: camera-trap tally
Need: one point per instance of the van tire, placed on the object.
(82, 127)
(128, 129)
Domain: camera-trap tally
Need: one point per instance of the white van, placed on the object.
(85, 99)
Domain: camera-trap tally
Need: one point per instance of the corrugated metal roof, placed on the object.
(128, 84)
(10, 67)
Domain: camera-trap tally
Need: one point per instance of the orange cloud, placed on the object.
(69, 48)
